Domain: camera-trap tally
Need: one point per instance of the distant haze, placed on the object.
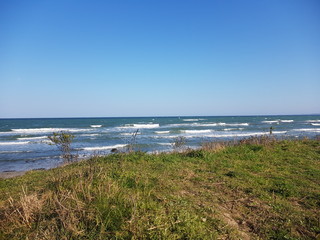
(159, 58)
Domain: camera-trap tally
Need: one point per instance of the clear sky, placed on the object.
(71, 58)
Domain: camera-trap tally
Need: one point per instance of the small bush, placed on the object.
(179, 143)
(132, 142)
(195, 153)
(63, 141)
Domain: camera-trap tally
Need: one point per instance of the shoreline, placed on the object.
(11, 174)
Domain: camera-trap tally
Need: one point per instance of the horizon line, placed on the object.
(167, 116)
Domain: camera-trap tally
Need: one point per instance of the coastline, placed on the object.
(25, 141)
(11, 174)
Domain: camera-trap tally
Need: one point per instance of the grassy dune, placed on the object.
(257, 189)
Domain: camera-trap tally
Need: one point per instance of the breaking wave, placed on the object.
(44, 130)
(130, 134)
(207, 124)
(191, 120)
(286, 121)
(104, 147)
(307, 130)
(197, 131)
(140, 126)
(162, 132)
(32, 138)
(270, 122)
(14, 143)
(90, 135)
(165, 144)
(310, 121)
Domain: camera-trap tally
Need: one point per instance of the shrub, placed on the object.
(63, 141)
(179, 143)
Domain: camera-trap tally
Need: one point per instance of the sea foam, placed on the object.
(155, 125)
(14, 143)
(165, 144)
(212, 134)
(95, 126)
(89, 134)
(236, 124)
(191, 120)
(45, 130)
(286, 121)
(130, 134)
(162, 132)
(310, 121)
(32, 138)
(270, 122)
(197, 131)
(307, 130)
(104, 147)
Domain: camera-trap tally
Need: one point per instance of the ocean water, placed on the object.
(24, 143)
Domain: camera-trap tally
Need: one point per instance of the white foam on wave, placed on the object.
(95, 126)
(307, 130)
(279, 132)
(315, 124)
(90, 135)
(130, 134)
(191, 120)
(229, 129)
(207, 124)
(236, 124)
(232, 129)
(104, 147)
(195, 125)
(248, 134)
(165, 144)
(45, 130)
(213, 134)
(162, 132)
(32, 138)
(271, 121)
(311, 121)
(14, 143)
(286, 121)
(149, 125)
(197, 131)
(211, 124)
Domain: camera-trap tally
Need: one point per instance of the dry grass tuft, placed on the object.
(264, 140)
(24, 212)
(214, 146)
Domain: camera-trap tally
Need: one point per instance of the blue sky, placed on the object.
(159, 58)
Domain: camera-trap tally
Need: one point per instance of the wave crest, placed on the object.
(95, 126)
(104, 147)
(14, 143)
(149, 125)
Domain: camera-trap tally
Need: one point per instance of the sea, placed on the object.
(24, 143)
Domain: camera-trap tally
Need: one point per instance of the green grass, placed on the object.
(253, 190)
